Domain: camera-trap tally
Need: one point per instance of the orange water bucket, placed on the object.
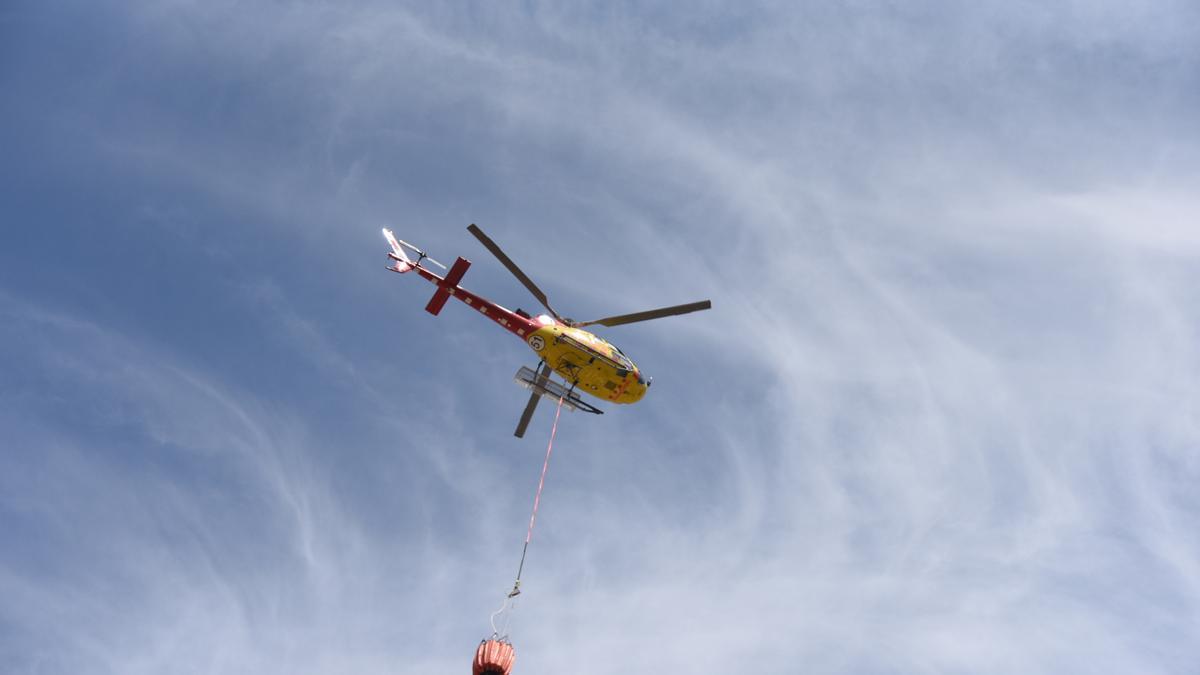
(493, 658)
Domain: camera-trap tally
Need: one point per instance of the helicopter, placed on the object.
(586, 362)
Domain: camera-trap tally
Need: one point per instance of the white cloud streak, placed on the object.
(942, 419)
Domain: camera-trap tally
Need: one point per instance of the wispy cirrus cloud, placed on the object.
(162, 520)
(941, 417)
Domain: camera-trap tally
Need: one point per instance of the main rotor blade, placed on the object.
(512, 267)
(647, 315)
(543, 374)
(527, 415)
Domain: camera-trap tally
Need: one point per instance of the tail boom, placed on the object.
(521, 326)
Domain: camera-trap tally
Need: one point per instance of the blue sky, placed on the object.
(942, 418)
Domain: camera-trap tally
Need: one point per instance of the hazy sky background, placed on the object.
(943, 418)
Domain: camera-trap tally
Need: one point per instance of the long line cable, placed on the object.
(508, 603)
(537, 497)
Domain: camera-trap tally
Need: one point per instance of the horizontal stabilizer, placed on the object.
(447, 285)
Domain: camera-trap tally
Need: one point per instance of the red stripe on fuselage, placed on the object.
(505, 318)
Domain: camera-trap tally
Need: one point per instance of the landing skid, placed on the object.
(547, 388)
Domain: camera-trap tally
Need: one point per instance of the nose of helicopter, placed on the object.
(637, 389)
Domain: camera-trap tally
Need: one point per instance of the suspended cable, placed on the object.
(495, 656)
(537, 498)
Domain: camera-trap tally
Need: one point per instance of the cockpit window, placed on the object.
(620, 356)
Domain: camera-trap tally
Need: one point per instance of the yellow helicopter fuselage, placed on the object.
(588, 361)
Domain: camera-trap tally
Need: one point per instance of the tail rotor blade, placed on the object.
(418, 251)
